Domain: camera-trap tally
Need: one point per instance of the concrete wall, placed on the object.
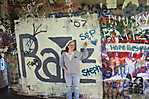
(39, 43)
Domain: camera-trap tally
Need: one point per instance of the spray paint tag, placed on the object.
(2, 64)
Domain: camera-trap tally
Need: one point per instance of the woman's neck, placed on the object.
(70, 51)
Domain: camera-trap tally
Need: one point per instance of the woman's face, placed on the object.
(71, 46)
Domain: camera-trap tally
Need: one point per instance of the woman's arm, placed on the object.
(62, 63)
(84, 53)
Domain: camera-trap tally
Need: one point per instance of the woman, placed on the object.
(70, 62)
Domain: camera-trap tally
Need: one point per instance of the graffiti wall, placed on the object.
(125, 52)
(40, 42)
(117, 35)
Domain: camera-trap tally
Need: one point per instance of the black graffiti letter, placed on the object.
(77, 24)
(87, 60)
(55, 60)
(28, 54)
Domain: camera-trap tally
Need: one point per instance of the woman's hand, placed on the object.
(85, 44)
(66, 70)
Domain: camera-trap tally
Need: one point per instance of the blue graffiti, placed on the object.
(87, 35)
(91, 71)
(2, 64)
